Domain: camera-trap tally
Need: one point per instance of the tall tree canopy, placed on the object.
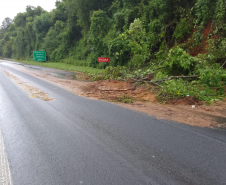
(86, 29)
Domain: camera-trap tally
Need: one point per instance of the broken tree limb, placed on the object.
(159, 68)
(118, 89)
(114, 89)
(223, 65)
(163, 80)
(139, 80)
(156, 83)
(175, 77)
(153, 83)
(142, 81)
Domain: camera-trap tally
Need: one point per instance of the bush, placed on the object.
(179, 62)
(174, 89)
(182, 29)
(212, 77)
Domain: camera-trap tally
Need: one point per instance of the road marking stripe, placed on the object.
(5, 175)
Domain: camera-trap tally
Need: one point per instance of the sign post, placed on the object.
(101, 59)
(39, 56)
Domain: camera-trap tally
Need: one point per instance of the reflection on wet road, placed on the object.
(50, 71)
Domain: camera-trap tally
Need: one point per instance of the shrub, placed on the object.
(179, 62)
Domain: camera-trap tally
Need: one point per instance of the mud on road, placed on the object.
(33, 92)
(187, 110)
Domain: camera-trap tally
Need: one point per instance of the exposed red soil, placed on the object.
(185, 101)
(201, 49)
(113, 89)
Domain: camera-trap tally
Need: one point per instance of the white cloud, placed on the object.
(10, 8)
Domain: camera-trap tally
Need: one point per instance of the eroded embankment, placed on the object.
(187, 110)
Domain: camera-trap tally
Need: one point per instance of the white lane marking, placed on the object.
(5, 175)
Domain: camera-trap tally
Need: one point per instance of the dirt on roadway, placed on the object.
(33, 92)
(187, 110)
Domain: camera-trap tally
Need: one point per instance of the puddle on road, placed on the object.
(33, 92)
(50, 71)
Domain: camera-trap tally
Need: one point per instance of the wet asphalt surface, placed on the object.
(74, 140)
(50, 71)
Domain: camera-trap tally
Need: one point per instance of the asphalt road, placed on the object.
(74, 140)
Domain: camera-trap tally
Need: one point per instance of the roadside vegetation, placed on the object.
(178, 46)
(125, 99)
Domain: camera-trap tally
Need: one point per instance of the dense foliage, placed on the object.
(131, 32)
(144, 34)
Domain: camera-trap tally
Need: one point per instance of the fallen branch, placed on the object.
(175, 77)
(142, 81)
(134, 80)
(163, 80)
(118, 89)
(159, 68)
(115, 90)
(223, 64)
(153, 83)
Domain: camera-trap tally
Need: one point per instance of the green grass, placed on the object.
(125, 99)
(63, 66)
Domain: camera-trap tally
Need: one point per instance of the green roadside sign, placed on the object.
(39, 56)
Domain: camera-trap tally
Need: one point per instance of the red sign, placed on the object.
(100, 59)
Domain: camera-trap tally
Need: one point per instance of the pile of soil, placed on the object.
(188, 100)
(114, 89)
(182, 111)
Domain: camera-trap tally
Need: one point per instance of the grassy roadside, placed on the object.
(63, 66)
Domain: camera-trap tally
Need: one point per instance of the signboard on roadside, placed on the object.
(100, 59)
(39, 56)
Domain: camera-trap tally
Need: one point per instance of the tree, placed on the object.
(5, 26)
(6, 23)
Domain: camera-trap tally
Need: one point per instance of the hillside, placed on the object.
(180, 43)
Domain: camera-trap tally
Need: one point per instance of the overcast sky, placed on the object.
(10, 8)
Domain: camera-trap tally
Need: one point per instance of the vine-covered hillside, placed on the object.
(125, 30)
(183, 38)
